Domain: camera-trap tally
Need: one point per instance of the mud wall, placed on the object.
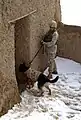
(69, 43)
(9, 94)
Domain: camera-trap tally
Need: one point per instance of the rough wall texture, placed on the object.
(69, 43)
(20, 42)
(8, 93)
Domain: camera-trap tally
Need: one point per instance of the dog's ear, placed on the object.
(23, 67)
(27, 67)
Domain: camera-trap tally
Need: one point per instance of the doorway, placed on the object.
(22, 46)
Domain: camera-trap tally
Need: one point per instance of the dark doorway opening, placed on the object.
(22, 47)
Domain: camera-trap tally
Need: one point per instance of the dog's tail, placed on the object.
(54, 80)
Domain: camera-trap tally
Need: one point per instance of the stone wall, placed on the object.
(69, 43)
(20, 41)
(9, 94)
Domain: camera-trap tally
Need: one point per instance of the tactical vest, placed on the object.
(48, 36)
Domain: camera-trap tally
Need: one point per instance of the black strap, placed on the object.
(35, 54)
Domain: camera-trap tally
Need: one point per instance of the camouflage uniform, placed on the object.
(50, 46)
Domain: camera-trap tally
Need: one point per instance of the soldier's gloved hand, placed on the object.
(42, 43)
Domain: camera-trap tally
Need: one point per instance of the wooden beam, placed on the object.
(13, 21)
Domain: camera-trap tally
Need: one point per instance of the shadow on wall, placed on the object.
(22, 45)
(69, 43)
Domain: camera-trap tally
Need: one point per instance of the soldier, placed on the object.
(49, 42)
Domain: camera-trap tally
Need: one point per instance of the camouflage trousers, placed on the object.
(51, 60)
(52, 67)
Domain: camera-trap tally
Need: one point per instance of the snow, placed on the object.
(63, 104)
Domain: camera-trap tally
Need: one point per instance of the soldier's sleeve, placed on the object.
(55, 37)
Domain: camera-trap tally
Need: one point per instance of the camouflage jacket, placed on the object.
(50, 48)
(53, 40)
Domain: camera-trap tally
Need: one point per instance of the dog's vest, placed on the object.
(33, 74)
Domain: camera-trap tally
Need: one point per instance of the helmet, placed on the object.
(53, 24)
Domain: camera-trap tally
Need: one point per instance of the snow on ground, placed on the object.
(63, 104)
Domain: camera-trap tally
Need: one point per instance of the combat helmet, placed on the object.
(53, 24)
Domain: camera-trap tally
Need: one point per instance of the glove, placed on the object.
(41, 42)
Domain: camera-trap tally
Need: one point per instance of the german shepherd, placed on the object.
(38, 76)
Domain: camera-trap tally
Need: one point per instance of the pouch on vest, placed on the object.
(48, 36)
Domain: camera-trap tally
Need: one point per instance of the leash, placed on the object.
(35, 54)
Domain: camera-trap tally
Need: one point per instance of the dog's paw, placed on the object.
(39, 95)
(49, 93)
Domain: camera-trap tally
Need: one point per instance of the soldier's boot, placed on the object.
(50, 70)
(55, 72)
(55, 68)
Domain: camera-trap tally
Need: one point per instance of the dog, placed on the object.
(38, 76)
